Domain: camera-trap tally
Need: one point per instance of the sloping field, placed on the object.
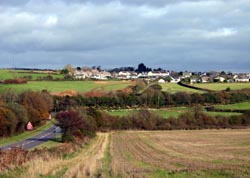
(207, 153)
(223, 86)
(174, 88)
(60, 86)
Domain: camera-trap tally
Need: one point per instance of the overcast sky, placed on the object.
(194, 35)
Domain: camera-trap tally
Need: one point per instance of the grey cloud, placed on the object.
(203, 35)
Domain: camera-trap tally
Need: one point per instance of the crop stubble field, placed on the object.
(200, 153)
(207, 153)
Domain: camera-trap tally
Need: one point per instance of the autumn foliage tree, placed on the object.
(76, 124)
(8, 122)
(36, 106)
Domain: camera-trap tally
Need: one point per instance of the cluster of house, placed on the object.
(162, 76)
(217, 77)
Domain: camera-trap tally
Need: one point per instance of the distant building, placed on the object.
(241, 78)
(161, 81)
(157, 74)
(79, 74)
(175, 80)
(205, 79)
(186, 74)
(219, 79)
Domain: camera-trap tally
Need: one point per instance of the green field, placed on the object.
(238, 106)
(59, 86)
(167, 113)
(11, 74)
(174, 88)
(223, 86)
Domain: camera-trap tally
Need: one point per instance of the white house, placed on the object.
(156, 74)
(205, 79)
(161, 81)
(125, 75)
(241, 78)
(186, 74)
(79, 74)
(219, 79)
(175, 80)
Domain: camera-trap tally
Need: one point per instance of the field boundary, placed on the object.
(193, 87)
(211, 108)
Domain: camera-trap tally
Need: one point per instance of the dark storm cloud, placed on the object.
(202, 34)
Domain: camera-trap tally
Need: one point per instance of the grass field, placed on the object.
(238, 106)
(169, 112)
(174, 88)
(59, 86)
(166, 113)
(207, 153)
(223, 86)
(10, 74)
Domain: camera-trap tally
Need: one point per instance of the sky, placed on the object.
(192, 35)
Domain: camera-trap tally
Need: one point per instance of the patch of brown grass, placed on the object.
(84, 162)
(65, 93)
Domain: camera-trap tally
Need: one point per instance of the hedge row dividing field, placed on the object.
(207, 153)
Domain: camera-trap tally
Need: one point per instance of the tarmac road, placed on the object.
(34, 141)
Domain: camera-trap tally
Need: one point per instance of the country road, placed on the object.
(34, 141)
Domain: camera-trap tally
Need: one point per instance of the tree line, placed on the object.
(16, 110)
(153, 97)
(84, 122)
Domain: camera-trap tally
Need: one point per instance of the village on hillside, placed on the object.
(162, 75)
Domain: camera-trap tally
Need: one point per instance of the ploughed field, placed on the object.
(206, 153)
